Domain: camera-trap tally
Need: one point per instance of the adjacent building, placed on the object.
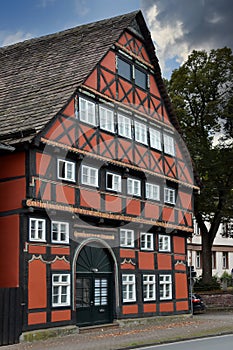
(96, 198)
(222, 250)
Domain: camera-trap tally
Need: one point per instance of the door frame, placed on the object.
(115, 269)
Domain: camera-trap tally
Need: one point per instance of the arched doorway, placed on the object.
(94, 284)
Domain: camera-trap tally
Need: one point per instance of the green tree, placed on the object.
(201, 91)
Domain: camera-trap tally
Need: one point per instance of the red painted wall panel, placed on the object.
(146, 261)
(12, 165)
(37, 287)
(89, 199)
(181, 285)
(9, 251)
(12, 193)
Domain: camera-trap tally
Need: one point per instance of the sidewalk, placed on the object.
(132, 333)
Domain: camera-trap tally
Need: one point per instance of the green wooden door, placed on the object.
(94, 286)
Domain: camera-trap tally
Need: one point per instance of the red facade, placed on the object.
(100, 205)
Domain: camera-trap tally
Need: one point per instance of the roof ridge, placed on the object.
(67, 31)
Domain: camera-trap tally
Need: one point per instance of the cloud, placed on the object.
(180, 26)
(81, 7)
(9, 39)
(45, 3)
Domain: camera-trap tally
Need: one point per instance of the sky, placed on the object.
(177, 26)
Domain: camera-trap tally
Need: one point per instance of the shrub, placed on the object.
(200, 286)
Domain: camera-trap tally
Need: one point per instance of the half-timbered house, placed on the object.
(96, 198)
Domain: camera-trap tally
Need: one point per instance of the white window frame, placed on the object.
(88, 113)
(106, 118)
(69, 170)
(152, 191)
(126, 238)
(61, 286)
(62, 229)
(198, 260)
(225, 260)
(165, 287)
(164, 243)
(169, 145)
(40, 232)
(140, 131)
(146, 241)
(133, 187)
(116, 182)
(155, 139)
(124, 126)
(149, 287)
(90, 176)
(169, 195)
(128, 288)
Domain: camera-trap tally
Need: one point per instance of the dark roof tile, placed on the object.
(38, 76)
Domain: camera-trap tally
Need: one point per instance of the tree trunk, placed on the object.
(206, 258)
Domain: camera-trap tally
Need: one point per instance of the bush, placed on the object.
(226, 277)
(200, 286)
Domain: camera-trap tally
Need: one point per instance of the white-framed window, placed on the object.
(164, 243)
(152, 191)
(155, 139)
(37, 230)
(149, 288)
(165, 287)
(66, 170)
(140, 132)
(87, 111)
(198, 260)
(128, 288)
(134, 187)
(169, 146)
(225, 261)
(89, 176)
(146, 241)
(126, 238)
(169, 195)
(60, 290)
(113, 182)
(124, 126)
(106, 117)
(59, 232)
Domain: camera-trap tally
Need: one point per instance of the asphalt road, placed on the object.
(224, 342)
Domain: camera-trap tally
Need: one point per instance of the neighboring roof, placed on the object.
(4, 147)
(38, 76)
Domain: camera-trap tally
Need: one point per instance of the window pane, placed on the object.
(140, 78)
(124, 69)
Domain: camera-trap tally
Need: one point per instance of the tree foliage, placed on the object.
(202, 95)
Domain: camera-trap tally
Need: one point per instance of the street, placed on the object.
(213, 343)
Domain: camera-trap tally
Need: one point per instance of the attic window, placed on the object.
(124, 69)
(140, 78)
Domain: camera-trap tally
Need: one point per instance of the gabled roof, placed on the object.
(38, 76)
